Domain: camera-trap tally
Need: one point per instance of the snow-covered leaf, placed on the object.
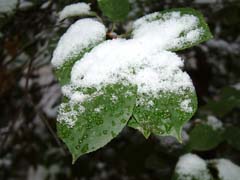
(116, 10)
(82, 36)
(226, 169)
(191, 167)
(158, 77)
(73, 10)
(166, 113)
(88, 118)
(173, 29)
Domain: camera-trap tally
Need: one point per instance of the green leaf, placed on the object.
(232, 136)
(79, 39)
(135, 125)
(164, 115)
(116, 10)
(183, 39)
(203, 137)
(226, 169)
(97, 120)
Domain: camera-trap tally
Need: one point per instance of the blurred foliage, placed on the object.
(29, 96)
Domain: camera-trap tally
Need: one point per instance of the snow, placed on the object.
(8, 6)
(74, 95)
(81, 35)
(77, 9)
(215, 123)
(189, 166)
(186, 106)
(227, 170)
(25, 5)
(98, 109)
(236, 86)
(165, 33)
(114, 98)
(129, 61)
(68, 114)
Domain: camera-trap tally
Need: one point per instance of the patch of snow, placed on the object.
(77, 9)
(74, 95)
(205, 1)
(130, 61)
(236, 86)
(67, 114)
(46, 5)
(191, 166)
(164, 33)
(25, 5)
(98, 109)
(215, 123)
(114, 98)
(224, 47)
(227, 170)
(38, 173)
(150, 103)
(8, 6)
(82, 34)
(186, 106)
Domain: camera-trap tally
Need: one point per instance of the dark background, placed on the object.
(30, 94)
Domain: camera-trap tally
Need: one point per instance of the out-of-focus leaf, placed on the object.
(229, 99)
(232, 136)
(116, 10)
(203, 137)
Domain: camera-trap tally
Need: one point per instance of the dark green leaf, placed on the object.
(116, 10)
(232, 136)
(203, 137)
